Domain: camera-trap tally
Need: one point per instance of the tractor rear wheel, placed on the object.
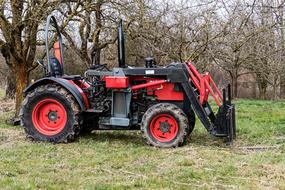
(164, 125)
(50, 113)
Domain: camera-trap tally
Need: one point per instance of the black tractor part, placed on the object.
(121, 46)
(56, 69)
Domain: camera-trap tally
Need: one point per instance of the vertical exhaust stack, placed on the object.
(121, 45)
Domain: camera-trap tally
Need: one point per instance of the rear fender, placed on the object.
(75, 90)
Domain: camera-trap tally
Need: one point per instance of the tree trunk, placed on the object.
(10, 88)
(282, 85)
(21, 82)
(275, 88)
(96, 55)
(96, 49)
(262, 86)
(282, 39)
(254, 89)
(234, 86)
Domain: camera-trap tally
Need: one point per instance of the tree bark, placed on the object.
(234, 78)
(96, 56)
(235, 87)
(282, 84)
(254, 88)
(21, 82)
(96, 49)
(282, 39)
(262, 86)
(10, 88)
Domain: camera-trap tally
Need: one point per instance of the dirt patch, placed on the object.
(11, 136)
(7, 105)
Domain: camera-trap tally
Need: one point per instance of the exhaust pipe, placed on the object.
(121, 45)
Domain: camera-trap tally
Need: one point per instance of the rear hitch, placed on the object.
(225, 122)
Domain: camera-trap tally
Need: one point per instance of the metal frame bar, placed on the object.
(52, 19)
(148, 84)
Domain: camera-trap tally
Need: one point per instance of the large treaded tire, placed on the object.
(156, 115)
(54, 93)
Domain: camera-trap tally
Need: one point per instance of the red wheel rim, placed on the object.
(164, 127)
(49, 117)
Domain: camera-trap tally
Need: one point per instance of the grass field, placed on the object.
(119, 160)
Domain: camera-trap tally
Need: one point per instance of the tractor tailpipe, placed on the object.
(121, 45)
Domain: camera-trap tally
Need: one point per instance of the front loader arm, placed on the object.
(198, 88)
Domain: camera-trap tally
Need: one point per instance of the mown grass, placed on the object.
(120, 160)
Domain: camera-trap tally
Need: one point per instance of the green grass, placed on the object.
(2, 93)
(120, 160)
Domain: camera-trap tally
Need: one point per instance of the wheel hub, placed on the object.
(52, 116)
(164, 126)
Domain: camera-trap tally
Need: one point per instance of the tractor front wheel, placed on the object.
(164, 125)
(50, 113)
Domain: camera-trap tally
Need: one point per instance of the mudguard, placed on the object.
(68, 85)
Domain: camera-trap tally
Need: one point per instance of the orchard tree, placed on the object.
(20, 21)
(95, 27)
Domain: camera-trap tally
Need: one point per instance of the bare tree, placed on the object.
(19, 21)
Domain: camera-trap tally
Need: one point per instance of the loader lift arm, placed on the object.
(197, 88)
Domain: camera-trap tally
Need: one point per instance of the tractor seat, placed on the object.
(57, 70)
(56, 67)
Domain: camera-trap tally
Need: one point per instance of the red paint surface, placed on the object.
(205, 85)
(41, 120)
(57, 52)
(156, 131)
(86, 101)
(166, 92)
(117, 82)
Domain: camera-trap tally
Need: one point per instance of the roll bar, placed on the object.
(51, 19)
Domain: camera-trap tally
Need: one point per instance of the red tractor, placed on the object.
(160, 101)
